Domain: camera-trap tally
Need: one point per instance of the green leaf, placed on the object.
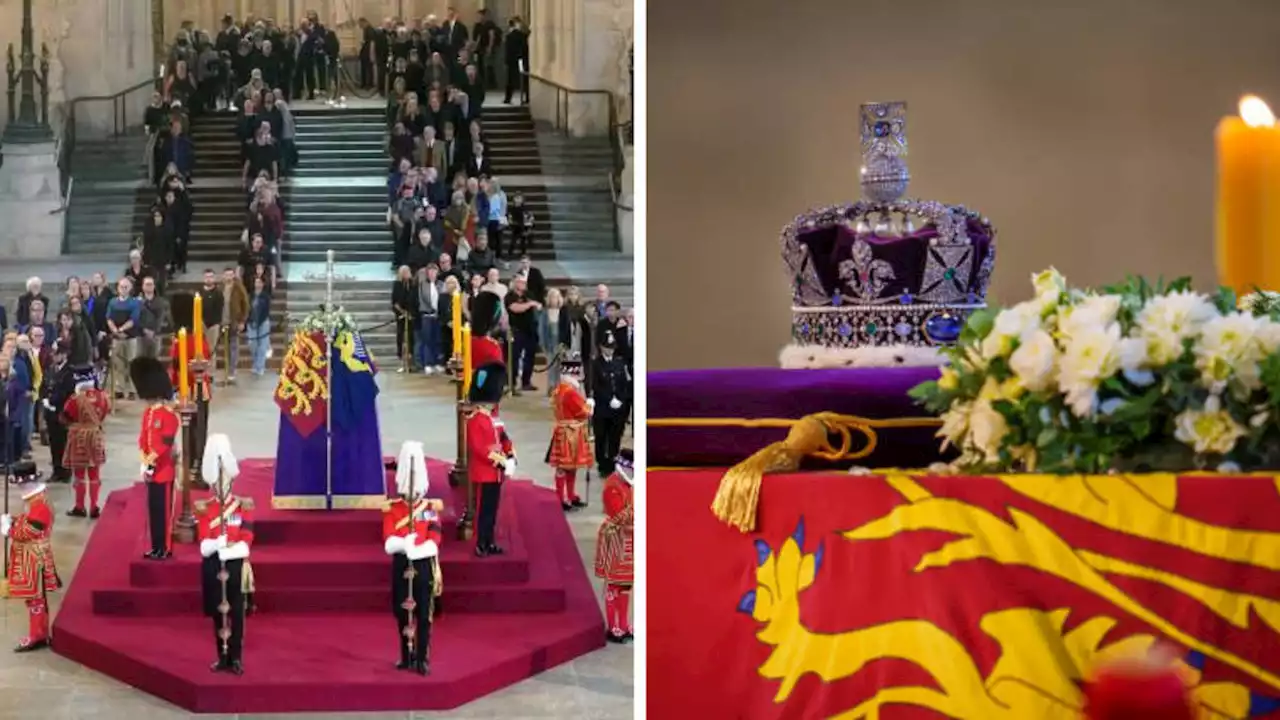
(979, 326)
(1046, 437)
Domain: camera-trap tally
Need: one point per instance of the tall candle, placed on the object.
(197, 319)
(183, 386)
(457, 323)
(466, 359)
(1248, 217)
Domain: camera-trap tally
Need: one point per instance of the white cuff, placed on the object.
(615, 403)
(234, 551)
(147, 470)
(510, 467)
(208, 547)
(423, 551)
(394, 545)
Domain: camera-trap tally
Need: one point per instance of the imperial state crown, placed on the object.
(886, 280)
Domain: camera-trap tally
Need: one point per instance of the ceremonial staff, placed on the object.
(411, 572)
(224, 607)
(330, 323)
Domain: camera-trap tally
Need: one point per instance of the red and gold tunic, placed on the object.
(615, 555)
(86, 442)
(570, 444)
(238, 517)
(487, 448)
(425, 523)
(160, 426)
(32, 572)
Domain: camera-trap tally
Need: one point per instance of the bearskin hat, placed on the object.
(486, 314)
(182, 310)
(150, 379)
(488, 383)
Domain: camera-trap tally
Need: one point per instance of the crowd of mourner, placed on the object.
(453, 229)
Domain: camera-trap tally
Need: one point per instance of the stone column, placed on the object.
(580, 44)
(30, 186)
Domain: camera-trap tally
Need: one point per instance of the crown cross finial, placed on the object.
(884, 151)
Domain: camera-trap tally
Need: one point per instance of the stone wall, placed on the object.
(97, 48)
(582, 45)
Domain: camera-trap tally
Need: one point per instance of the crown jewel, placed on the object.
(884, 272)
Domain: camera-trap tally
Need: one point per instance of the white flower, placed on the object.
(1229, 348)
(1091, 355)
(1049, 284)
(1035, 362)
(1250, 301)
(1011, 324)
(1090, 314)
(1268, 335)
(987, 430)
(955, 425)
(1166, 321)
(1211, 430)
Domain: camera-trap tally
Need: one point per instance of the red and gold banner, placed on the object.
(979, 598)
(302, 393)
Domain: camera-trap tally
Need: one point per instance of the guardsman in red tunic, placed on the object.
(412, 534)
(86, 449)
(156, 443)
(491, 458)
(615, 555)
(32, 573)
(224, 526)
(570, 449)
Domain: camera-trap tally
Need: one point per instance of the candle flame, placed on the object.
(1255, 112)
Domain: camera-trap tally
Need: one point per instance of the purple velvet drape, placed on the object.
(760, 393)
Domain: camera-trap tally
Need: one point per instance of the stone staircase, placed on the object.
(342, 144)
(511, 141)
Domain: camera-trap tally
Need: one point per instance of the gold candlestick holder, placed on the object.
(184, 528)
(458, 475)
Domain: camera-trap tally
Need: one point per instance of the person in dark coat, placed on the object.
(611, 390)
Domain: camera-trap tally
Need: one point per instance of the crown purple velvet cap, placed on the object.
(884, 281)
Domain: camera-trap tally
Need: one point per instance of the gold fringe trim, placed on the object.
(738, 497)
(317, 502)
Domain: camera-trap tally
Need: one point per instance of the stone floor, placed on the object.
(42, 684)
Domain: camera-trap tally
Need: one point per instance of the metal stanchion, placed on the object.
(458, 475)
(511, 366)
(227, 359)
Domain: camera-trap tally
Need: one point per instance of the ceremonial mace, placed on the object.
(184, 528)
(224, 607)
(410, 603)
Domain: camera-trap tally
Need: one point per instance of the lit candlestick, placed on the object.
(183, 385)
(466, 359)
(457, 323)
(197, 319)
(1248, 222)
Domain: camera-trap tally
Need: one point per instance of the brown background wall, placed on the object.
(1085, 133)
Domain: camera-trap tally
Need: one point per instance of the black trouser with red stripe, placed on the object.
(159, 505)
(487, 513)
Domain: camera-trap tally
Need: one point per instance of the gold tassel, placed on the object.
(738, 496)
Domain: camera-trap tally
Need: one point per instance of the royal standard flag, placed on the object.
(354, 387)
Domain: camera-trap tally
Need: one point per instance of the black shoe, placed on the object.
(237, 668)
(614, 638)
(94, 513)
(422, 667)
(579, 503)
(482, 551)
(219, 666)
(77, 512)
(494, 550)
(528, 388)
(566, 507)
(629, 637)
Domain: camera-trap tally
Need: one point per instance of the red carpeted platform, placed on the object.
(324, 639)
